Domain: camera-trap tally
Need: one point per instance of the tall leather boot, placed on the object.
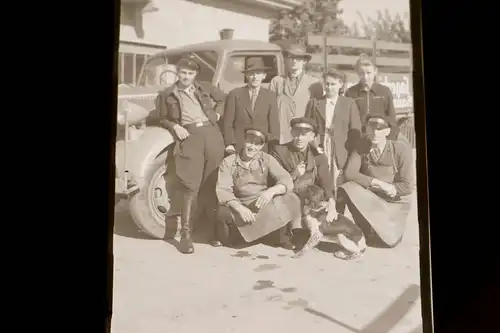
(186, 243)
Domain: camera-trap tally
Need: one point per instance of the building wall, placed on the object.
(181, 22)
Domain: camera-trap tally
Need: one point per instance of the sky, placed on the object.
(369, 8)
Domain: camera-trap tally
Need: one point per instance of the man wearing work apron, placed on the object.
(255, 195)
(186, 110)
(379, 182)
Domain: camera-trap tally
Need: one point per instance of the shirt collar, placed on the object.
(188, 90)
(247, 164)
(250, 88)
(296, 78)
(373, 88)
(382, 149)
(331, 100)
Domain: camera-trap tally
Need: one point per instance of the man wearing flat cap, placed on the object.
(294, 89)
(251, 105)
(186, 110)
(255, 196)
(380, 181)
(305, 164)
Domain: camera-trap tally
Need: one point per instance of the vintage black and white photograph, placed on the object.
(265, 168)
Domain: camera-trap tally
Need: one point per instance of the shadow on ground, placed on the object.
(384, 322)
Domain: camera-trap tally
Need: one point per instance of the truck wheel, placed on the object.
(149, 206)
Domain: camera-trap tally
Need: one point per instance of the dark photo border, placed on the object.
(69, 258)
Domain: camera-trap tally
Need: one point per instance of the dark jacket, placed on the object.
(168, 108)
(346, 125)
(378, 100)
(287, 156)
(238, 115)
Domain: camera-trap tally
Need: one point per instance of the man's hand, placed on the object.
(230, 149)
(299, 170)
(332, 211)
(218, 116)
(180, 132)
(246, 214)
(386, 188)
(264, 198)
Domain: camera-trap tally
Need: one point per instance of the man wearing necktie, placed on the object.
(250, 106)
(380, 181)
(294, 89)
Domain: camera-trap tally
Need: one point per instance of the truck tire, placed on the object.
(149, 206)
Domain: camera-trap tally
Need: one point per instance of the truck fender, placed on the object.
(142, 152)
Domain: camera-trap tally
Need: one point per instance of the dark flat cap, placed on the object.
(189, 62)
(380, 119)
(256, 132)
(303, 122)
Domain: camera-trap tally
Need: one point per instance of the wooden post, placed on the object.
(325, 51)
(374, 47)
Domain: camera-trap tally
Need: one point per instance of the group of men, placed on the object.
(249, 158)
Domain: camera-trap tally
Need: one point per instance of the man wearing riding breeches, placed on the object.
(186, 109)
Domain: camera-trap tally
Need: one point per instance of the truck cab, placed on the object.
(141, 151)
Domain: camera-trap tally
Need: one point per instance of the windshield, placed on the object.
(160, 70)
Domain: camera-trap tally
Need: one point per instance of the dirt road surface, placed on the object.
(261, 289)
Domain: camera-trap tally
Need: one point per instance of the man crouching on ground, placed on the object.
(380, 184)
(306, 166)
(255, 195)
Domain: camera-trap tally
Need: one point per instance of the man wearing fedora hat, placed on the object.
(186, 110)
(251, 105)
(294, 89)
(380, 181)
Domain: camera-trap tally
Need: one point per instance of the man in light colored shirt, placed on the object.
(294, 89)
(186, 110)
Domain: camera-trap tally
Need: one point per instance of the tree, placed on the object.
(387, 28)
(312, 16)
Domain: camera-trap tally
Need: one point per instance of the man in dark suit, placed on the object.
(186, 110)
(250, 106)
(372, 98)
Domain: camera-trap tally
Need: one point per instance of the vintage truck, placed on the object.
(141, 150)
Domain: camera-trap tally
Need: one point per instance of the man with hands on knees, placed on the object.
(380, 183)
(255, 196)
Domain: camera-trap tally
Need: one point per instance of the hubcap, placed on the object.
(158, 198)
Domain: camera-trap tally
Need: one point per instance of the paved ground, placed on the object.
(261, 289)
